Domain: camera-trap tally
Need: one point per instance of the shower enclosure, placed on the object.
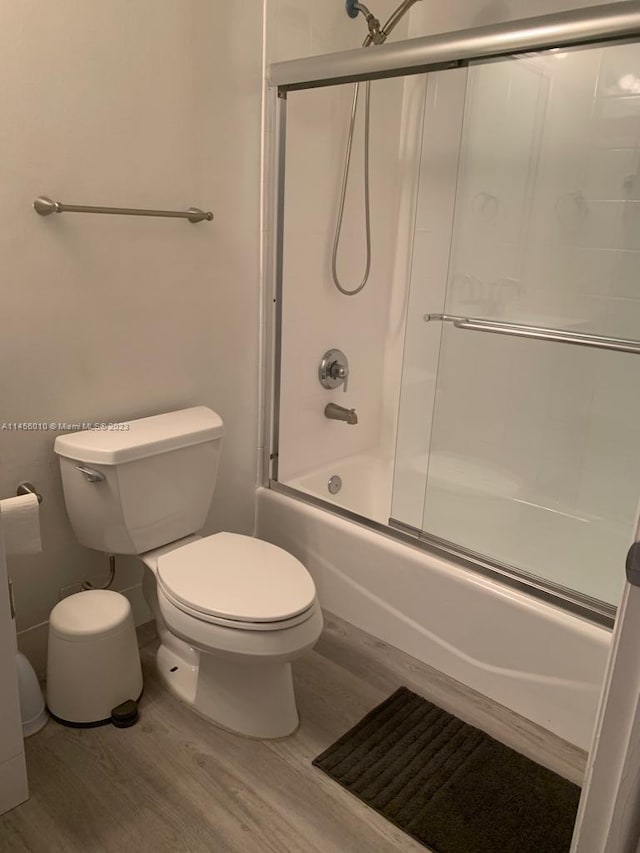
(493, 355)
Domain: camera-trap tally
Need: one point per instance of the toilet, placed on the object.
(232, 611)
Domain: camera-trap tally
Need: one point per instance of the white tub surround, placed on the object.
(534, 658)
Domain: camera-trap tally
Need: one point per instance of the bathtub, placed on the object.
(366, 480)
(480, 509)
(540, 661)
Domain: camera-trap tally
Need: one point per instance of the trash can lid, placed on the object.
(90, 614)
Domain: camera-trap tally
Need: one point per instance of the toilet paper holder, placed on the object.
(25, 488)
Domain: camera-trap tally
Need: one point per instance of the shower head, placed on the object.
(377, 34)
(354, 8)
(351, 7)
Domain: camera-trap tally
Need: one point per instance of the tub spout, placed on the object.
(339, 413)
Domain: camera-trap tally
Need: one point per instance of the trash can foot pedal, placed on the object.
(125, 714)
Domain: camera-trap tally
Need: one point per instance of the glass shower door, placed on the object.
(525, 447)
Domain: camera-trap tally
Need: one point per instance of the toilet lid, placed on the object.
(237, 577)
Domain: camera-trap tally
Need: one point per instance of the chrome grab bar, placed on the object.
(519, 330)
(45, 206)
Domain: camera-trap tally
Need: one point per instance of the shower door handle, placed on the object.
(540, 333)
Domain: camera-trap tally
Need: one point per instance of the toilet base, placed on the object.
(178, 676)
(252, 699)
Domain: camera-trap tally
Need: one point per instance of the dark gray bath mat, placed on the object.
(451, 786)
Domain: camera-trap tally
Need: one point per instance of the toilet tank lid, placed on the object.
(130, 440)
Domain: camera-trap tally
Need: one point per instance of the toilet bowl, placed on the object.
(232, 611)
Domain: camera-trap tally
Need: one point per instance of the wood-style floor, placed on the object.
(176, 784)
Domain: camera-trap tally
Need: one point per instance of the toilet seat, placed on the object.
(237, 581)
(236, 623)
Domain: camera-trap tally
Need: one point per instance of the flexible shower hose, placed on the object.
(343, 194)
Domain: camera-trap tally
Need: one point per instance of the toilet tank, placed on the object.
(141, 484)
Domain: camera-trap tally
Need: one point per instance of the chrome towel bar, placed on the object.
(45, 206)
(560, 336)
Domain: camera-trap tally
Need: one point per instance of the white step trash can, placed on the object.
(93, 668)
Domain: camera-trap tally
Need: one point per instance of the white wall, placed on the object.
(106, 318)
(437, 16)
(297, 28)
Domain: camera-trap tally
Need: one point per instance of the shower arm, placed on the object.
(391, 23)
(375, 33)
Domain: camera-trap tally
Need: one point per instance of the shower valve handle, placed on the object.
(333, 370)
(340, 372)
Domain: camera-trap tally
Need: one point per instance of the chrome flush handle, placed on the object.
(92, 476)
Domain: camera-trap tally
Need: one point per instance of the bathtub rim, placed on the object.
(596, 612)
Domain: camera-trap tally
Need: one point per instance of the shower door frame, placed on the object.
(580, 28)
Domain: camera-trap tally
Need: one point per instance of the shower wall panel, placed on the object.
(315, 317)
(530, 457)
